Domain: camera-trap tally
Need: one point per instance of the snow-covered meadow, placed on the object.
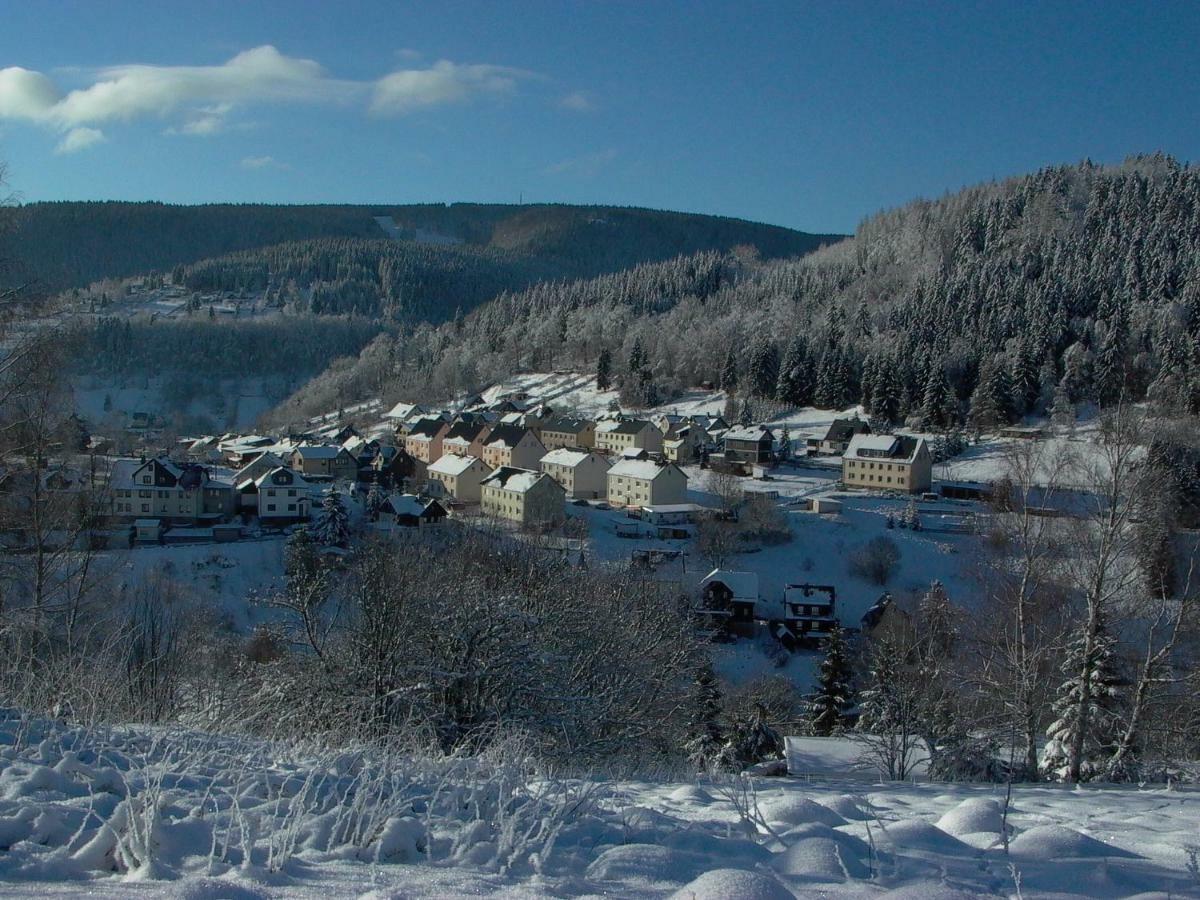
(142, 812)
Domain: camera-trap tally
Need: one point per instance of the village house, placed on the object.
(887, 462)
(238, 450)
(583, 474)
(808, 610)
(838, 435)
(324, 460)
(747, 445)
(244, 478)
(728, 600)
(520, 495)
(684, 442)
(459, 476)
(404, 427)
(616, 436)
(466, 437)
(410, 511)
(560, 432)
(403, 411)
(424, 441)
(283, 496)
(390, 467)
(643, 482)
(513, 446)
(163, 489)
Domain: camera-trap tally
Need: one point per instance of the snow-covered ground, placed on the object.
(142, 812)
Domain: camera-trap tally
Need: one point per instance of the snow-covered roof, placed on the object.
(894, 447)
(121, 474)
(749, 433)
(407, 504)
(505, 436)
(646, 469)
(403, 410)
(510, 478)
(567, 456)
(452, 465)
(298, 479)
(744, 585)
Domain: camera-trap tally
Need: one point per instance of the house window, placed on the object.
(270, 507)
(146, 479)
(145, 493)
(145, 507)
(291, 507)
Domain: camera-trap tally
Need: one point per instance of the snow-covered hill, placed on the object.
(143, 812)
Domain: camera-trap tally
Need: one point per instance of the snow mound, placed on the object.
(799, 811)
(853, 844)
(218, 889)
(820, 859)
(1059, 842)
(928, 890)
(641, 862)
(733, 884)
(917, 834)
(690, 793)
(848, 807)
(973, 815)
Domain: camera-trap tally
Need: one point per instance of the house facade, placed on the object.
(583, 474)
(162, 489)
(615, 437)
(749, 445)
(643, 482)
(284, 496)
(324, 459)
(465, 438)
(559, 432)
(410, 511)
(459, 476)
(837, 437)
(523, 496)
(887, 462)
(684, 442)
(424, 440)
(512, 446)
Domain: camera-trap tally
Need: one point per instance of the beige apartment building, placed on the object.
(583, 474)
(887, 462)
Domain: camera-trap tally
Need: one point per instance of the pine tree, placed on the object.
(785, 442)
(763, 374)
(637, 358)
(833, 700)
(754, 740)
(603, 370)
(706, 735)
(790, 387)
(938, 407)
(1088, 695)
(373, 503)
(729, 373)
(332, 525)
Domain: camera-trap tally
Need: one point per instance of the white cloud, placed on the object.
(262, 162)
(577, 101)
(445, 82)
(587, 166)
(79, 139)
(201, 98)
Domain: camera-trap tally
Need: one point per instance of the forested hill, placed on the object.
(66, 244)
(1070, 285)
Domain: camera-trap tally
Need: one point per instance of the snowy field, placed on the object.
(145, 813)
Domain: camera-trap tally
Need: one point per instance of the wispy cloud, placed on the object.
(262, 162)
(79, 139)
(201, 98)
(577, 101)
(587, 166)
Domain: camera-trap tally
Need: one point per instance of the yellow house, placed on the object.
(887, 462)
(616, 437)
(459, 476)
(522, 496)
(643, 482)
(582, 473)
(513, 446)
(559, 432)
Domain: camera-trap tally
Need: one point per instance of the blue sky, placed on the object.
(806, 115)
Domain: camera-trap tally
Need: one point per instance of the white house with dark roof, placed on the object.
(644, 482)
(887, 462)
(514, 446)
(616, 436)
(459, 476)
(582, 473)
(283, 496)
(163, 489)
(522, 495)
(410, 511)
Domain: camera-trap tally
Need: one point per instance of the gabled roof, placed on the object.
(631, 426)
(318, 451)
(510, 478)
(427, 429)
(298, 480)
(568, 456)
(743, 585)
(403, 410)
(506, 436)
(566, 426)
(466, 431)
(411, 505)
(893, 447)
(754, 433)
(845, 429)
(453, 465)
(646, 469)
